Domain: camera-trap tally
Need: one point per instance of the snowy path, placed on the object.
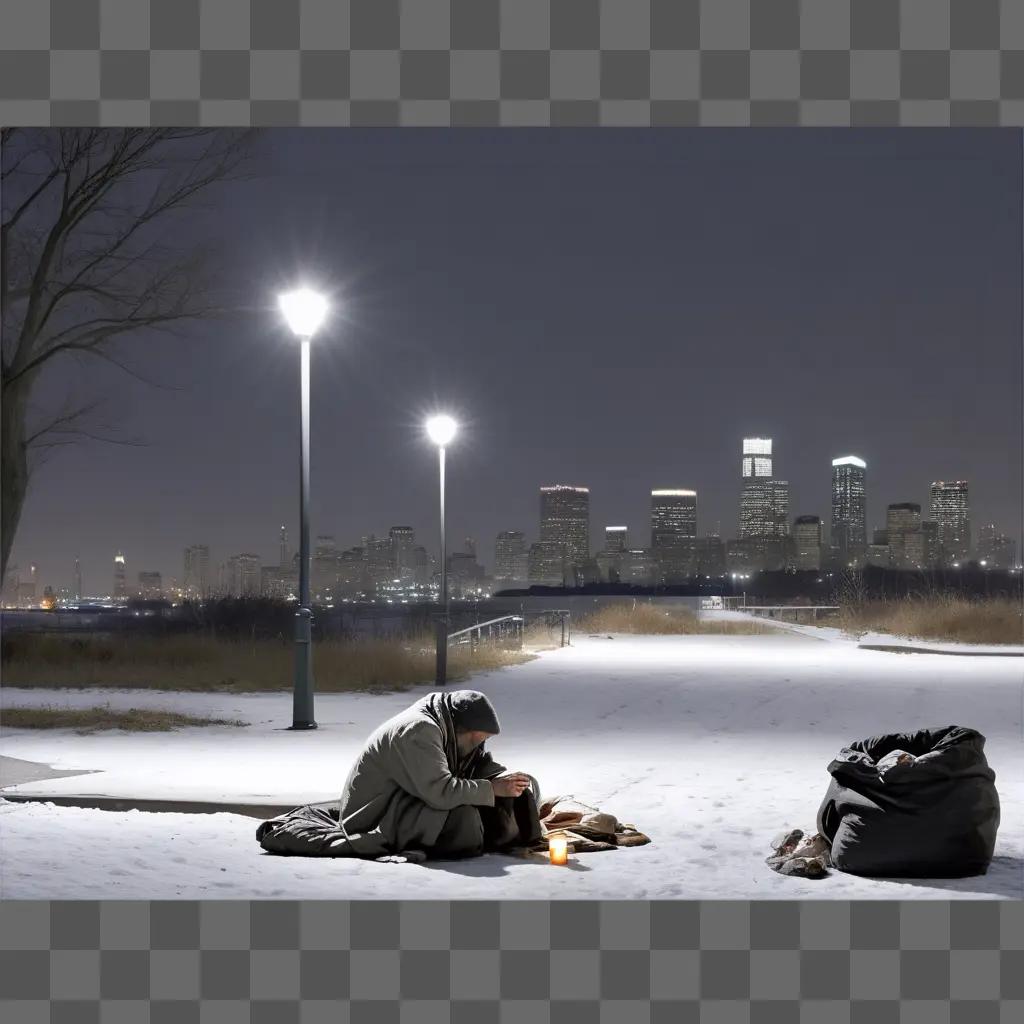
(709, 744)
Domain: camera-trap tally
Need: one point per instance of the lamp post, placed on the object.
(304, 310)
(441, 430)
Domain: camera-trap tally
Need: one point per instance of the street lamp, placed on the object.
(441, 430)
(304, 310)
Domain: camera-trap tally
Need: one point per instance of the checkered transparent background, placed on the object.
(870, 962)
(512, 62)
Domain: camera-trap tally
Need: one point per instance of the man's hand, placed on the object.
(510, 784)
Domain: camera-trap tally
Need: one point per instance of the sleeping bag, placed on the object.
(921, 804)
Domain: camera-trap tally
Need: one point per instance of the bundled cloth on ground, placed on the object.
(587, 829)
(921, 804)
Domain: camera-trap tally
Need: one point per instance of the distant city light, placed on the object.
(441, 429)
(304, 310)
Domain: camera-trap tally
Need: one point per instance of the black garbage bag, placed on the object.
(931, 815)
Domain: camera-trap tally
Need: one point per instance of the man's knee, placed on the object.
(462, 835)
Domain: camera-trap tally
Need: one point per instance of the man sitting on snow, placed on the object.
(423, 785)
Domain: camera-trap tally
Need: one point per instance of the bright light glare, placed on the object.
(441, 429)
(304, 310)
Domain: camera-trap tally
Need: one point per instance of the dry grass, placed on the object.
(89, 720)
(994, 621)
(644, 618)
(206, 664)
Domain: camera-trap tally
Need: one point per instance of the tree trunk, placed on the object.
(13, 466)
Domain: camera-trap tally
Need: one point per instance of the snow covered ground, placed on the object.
(709, 744)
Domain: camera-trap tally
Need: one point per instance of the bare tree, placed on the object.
(85, 265)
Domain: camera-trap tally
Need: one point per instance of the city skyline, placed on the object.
(598, 532)
(627, 311)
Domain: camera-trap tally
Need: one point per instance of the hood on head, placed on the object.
(472, 711)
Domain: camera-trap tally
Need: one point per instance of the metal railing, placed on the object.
(778, 611)
(507, 628)
(504, 628)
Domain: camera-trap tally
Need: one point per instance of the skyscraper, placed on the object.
(565, 519)
(548, 564)
(76, 583)
(616, 538)
(611, 557)
(806, 543)
(757, 512)
(151, 586)
(951, 511)
(764, 509)
(197, 572)
(120, 587)
(674, 533)
(903, 530)
(995, 549)
(283, 558)
(243, 572)
(849, 518)
(403, 542)
(511, 559)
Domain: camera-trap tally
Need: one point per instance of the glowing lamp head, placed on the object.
(304, 310)
(441, 429)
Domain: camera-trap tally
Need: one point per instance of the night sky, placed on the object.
(613, 308)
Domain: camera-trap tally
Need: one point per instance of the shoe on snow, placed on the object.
(803, 867)
(814, 847)
(786, 842)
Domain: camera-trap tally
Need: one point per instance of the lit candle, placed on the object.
(558, 850)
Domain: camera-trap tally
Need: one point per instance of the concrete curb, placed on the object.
(906, 649)
(110, 803)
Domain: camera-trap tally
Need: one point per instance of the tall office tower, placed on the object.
(470, 547)
(76, 581)
(903, 529)
(806, 546)
(674, 533)
(197, 572)
(403, 541)
(878, 549)
(377, 554)
(995, 549)
(639, 568)
(616, 538)
(151, 586)
(509, 546)
(710, 555)
(120, 587)
(849, 519)
(757, 506)
(609, 560)
(243, 575)
(951, 511)
(548, 565)
(931, 555)
(565, 519)
(780, 507)
(283, 556)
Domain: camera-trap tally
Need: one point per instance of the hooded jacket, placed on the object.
(409, 776)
